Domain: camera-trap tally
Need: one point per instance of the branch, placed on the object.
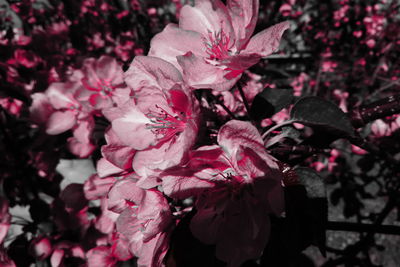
(360, 227)
(379, 109)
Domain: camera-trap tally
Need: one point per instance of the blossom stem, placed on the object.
(227, 110)
(246, 103)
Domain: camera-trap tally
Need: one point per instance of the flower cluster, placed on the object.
(149, 156)
(163, 133)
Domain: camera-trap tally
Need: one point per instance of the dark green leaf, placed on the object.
(315, 111)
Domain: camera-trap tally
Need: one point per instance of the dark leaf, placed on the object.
(313, 182)
(269, 102)
(314, 111)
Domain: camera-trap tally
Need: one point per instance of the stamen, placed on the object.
(164, 125)
(217, 45)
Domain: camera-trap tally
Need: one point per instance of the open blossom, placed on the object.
(71, 105)
(212, 45)
(102, 82)
(160, 122)
(237, 185)
(145, 221)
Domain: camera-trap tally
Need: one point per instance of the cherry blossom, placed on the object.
(160, 123)
(212, 45)
(237, 185)
(145, 220)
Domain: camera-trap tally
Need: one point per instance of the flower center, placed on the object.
(102, 86)
(164, 125)
(217, 45)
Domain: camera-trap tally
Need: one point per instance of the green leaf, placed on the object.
(317, 112)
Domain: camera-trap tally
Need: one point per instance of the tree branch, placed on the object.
(379, 109)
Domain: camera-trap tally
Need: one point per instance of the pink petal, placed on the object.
(57, 257)
(234, 134)
(105, 168)
(153, 252)
(108, 69)
(244, 15)
(100, 257)
(267, 41)
(60, 121)
(180, 101)
(174, 41)
(61, 94)
(106, 221)
(132, 129)
(41, 109)
(199, 74)
(241, 62)
(96, 187)
(120, 248)
(123, 190)
(206, 16)
(120, 156)
(82, 150)
(3, 231)
(148, 71)
(181, 186)
(80, 144)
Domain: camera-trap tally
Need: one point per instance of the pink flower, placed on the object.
(145, 220)
(101, 257)
(237, 185)
(102, 82)
(212, 45)
(58, 108)
(13, 106)
(160, 123)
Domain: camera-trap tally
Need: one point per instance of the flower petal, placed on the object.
(199, 74)
(132, 129)
(60, 121)
(148, 71)
(174, 41)
(234, 134)
(206, 16)
(244, 15)
(267, 41)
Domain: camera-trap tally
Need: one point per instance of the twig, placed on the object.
(379, 109)
(360, 227)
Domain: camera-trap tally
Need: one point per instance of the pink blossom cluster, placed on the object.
(154, 153)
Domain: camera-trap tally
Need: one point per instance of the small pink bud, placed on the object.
(371, 43)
